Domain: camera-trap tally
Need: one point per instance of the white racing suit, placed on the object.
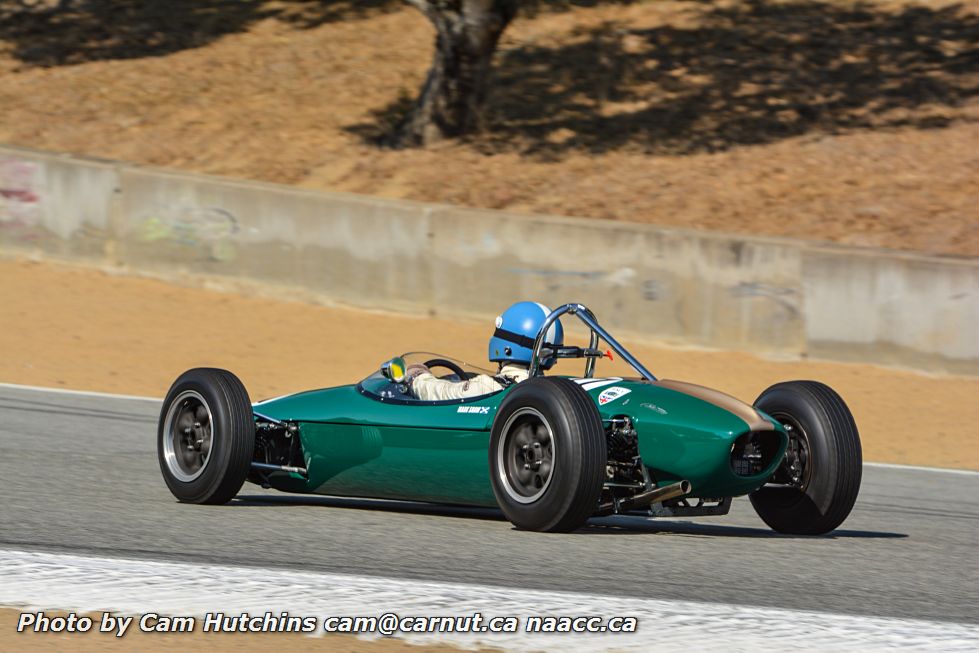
(428, 388)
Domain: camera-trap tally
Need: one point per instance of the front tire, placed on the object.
(816, 486)
(206, 436)
(547, 455)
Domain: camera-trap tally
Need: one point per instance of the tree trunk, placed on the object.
(452, 98)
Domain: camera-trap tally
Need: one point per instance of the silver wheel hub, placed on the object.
(525, 455)
(187, 432)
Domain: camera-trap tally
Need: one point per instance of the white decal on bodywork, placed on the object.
(592, 384)
(612, 394)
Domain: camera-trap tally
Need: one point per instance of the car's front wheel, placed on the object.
(206, 436)
(816, 485)
(547, 455)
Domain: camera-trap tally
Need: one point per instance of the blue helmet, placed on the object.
(516, 331)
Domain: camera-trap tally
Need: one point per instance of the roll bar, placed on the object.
(584, 314)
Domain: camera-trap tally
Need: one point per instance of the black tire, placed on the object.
(559, 416)
(817, 494)
(206, 436)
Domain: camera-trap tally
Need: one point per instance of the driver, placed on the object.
(511, 346)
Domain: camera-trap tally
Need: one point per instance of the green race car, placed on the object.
(551, 451)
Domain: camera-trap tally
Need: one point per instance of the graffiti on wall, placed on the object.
(560, 280)
(20, 194)
(211, 230)
(785, 298)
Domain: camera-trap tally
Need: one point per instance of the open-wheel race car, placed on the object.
(550, 451)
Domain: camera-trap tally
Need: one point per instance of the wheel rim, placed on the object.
(187, 436)
(525, 456)
(797, 463)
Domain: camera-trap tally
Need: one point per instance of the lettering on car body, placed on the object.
(478, 410)
(661, 411)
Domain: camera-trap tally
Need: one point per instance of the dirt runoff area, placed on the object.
(854, 122)
(86, 329)
(194, 642)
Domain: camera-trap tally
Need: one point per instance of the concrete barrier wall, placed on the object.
(761, 294)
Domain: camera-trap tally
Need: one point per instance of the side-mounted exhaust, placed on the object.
(266, 467)
(643, 499)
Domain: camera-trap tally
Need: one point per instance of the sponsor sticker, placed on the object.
(476, 410)
(611, 394)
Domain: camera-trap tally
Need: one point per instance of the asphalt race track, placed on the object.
(80, 475)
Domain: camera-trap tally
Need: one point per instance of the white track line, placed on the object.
(919, 468)
(107, 395)
(73, 582)
(79, 393)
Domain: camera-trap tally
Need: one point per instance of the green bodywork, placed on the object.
(358, 443)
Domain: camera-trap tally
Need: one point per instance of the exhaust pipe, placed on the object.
(643, 499)
(266, 467)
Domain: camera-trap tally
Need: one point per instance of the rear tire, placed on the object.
(206, 436)
(547, 455)
(819, 478)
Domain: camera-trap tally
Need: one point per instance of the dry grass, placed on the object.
(840, 121)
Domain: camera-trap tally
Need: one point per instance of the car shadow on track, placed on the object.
(621, 525)
(640, 525)
(415, 507)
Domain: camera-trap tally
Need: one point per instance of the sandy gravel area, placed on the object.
(86, 329)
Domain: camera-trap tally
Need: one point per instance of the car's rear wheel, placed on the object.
(816, 485)
(547, 455)
(206, 436)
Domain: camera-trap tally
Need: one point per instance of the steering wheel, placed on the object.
(444, 362)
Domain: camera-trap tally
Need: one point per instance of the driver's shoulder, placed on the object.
(515, 373)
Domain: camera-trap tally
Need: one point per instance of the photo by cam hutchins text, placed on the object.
(387, 624)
